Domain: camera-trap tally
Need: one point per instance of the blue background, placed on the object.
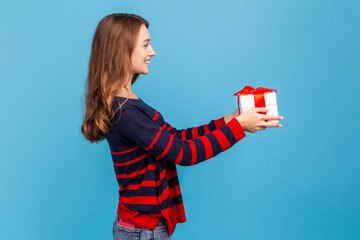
(300, 181)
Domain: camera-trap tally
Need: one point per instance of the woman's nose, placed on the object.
(152, 52)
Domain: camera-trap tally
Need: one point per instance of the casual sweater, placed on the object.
(145, 150)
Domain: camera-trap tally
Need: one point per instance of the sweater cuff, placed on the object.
(219, 122)
(236, 129)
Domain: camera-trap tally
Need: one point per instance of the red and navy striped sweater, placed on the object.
(145, 150)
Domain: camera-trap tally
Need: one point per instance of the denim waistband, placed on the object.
(162, 221)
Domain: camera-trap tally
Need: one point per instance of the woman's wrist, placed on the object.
(229, 117)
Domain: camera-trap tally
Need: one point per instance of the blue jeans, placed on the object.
(124, 233)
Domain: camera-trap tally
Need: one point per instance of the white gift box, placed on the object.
(247, 102)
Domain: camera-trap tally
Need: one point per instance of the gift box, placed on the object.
(250, 97)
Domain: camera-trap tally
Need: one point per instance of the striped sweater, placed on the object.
(145, 151)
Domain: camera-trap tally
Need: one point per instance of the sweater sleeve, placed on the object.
(194, 132)
(138, 128)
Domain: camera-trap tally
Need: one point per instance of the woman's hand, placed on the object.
(252, 120)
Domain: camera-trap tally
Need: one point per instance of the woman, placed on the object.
(144, 147)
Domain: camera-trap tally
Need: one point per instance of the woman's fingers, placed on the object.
(261, 109)
(268, 124)
(268, 117)
(272, 117)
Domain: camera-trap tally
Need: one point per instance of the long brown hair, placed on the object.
(109, 69)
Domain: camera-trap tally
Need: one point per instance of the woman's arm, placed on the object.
(144, 132)
(194, 132)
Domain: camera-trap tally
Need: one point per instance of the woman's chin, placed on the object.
(144, 72)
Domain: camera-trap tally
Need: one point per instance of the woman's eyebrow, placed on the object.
(147, 40)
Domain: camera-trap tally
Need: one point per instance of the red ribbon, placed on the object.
(258, 95)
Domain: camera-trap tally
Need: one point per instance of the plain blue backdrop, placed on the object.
(301, 181)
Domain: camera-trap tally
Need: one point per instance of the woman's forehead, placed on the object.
(144, 33)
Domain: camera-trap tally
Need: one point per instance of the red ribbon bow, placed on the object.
(258, 95)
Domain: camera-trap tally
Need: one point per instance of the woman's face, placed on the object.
(140, 58)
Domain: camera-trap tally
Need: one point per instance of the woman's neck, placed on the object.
(126, 92)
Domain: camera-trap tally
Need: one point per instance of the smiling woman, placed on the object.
(111, 70)
(145, 149)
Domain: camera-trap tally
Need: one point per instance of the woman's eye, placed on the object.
(146, 45)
